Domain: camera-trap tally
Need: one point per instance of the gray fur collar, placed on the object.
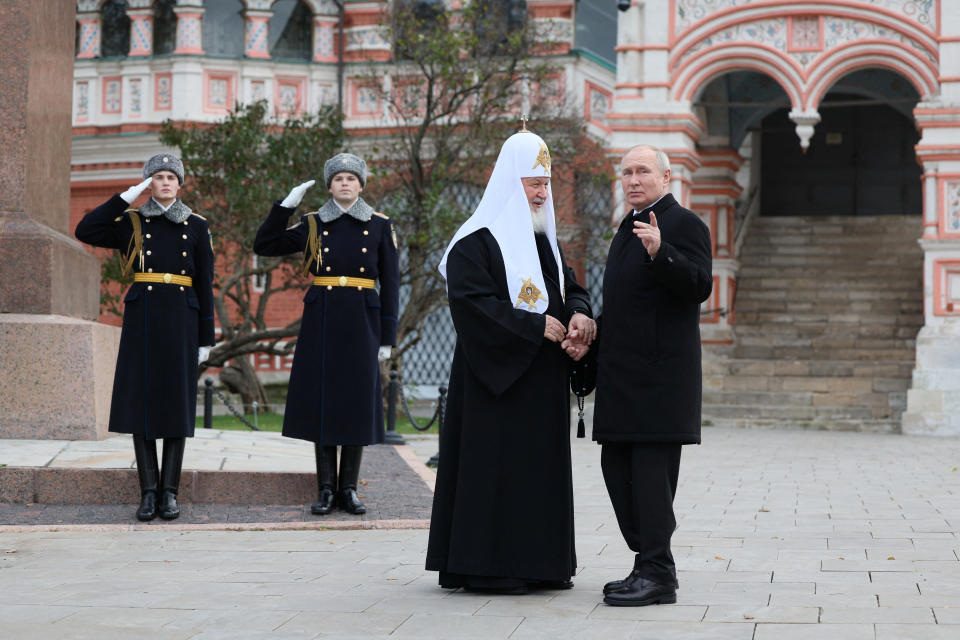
(359, 210)
(178, 212)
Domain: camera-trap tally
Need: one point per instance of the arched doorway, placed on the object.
(861, 159)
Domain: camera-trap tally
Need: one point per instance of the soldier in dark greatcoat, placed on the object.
(348, 324)
(168, 315)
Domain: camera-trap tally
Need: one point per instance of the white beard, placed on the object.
(539, 219)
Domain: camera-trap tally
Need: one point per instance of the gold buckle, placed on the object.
(167, 277)
(342, 281)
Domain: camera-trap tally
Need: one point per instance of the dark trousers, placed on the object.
(641, 479)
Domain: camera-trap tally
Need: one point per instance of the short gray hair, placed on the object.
(663, 161)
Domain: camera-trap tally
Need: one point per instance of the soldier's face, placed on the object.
(345, 188)
(164, 187)
(536, 190)
(642, 180)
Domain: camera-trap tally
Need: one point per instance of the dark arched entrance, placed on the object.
(861, 159)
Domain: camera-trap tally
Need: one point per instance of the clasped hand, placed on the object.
(575, 341)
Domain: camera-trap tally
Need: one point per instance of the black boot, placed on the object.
(326, 479)
(146, 452)
(349, 475)
(170, 477)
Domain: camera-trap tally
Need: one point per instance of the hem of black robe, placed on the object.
(469, 581)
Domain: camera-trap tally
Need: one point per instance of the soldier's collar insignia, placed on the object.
(529, 294)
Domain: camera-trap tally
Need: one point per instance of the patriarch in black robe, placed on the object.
(503, 506)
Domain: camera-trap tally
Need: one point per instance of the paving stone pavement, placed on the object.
(782, 535)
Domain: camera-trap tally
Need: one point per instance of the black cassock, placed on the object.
(503, 504)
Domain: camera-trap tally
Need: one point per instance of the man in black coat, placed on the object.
(348, 323)
(503, 506)
(659, 270)
(167, 316)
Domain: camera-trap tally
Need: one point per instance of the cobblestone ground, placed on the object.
(782, 535)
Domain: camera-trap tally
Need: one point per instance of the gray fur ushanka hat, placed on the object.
(345, 162)
(164, 162)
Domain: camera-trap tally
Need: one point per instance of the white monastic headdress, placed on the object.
(505, 211)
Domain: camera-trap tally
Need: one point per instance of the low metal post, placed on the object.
(441, 415)
(208, 403)
(256, 415)
(391, 436)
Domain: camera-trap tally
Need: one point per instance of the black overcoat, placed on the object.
(503, 503)
(649, 380)
(334, 397)
(155, 384)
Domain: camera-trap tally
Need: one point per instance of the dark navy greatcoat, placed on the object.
(334, 395)
(649, 378)
(155, 384)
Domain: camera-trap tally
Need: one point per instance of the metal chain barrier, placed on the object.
(437, 414)
(208, 406)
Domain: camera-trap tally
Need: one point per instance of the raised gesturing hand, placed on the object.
(649, 234)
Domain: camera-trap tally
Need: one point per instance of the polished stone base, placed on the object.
(56, 376)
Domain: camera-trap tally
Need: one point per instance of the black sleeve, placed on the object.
(498, 341)
(576, 296)
(106, 226)
(203, 286)
(684, 265)
(273, 236)
(389, 269)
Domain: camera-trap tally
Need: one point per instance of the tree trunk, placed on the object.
(239, 377)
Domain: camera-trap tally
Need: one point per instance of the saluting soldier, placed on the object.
(168, 315)
(348, 324)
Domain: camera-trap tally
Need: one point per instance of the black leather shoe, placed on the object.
(615, 585)
(350, 501)
(324, 503)
(169, 509)
(148, 506)
(639, 592)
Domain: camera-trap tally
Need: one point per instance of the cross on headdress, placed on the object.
(523, 122)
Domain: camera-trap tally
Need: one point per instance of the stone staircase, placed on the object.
(827, 312)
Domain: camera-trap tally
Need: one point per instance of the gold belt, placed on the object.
(163, 278)
(343, 281)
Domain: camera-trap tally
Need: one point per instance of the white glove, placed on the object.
(203, 354)
(384, 353)
(133, 193)
(296, 194)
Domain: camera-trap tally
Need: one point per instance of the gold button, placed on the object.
(148, 253)
(148, 220)
(329, 288)
(184, 254)
(364, 250)
(326, 233)
(182, 271)
(181, 288)
(167, 277)
(328, 268)
(150, 270)
(326, 249)
(365, 232)
(361, 269)
(185, 223)
(184, 236)
(359, 288)
(149, 287)
(148, 235)
(342, 281)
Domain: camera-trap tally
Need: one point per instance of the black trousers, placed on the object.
(641, 479)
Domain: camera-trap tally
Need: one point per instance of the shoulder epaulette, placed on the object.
(377, 213)
(193, 213)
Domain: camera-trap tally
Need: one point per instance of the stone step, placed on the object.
(803, 330)
(832, 262)
(797, 286)
(819, 424)
(843, 388)
(772, 301)
(823, 317)
(855, 272)
(805, 353)
(719, 368)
